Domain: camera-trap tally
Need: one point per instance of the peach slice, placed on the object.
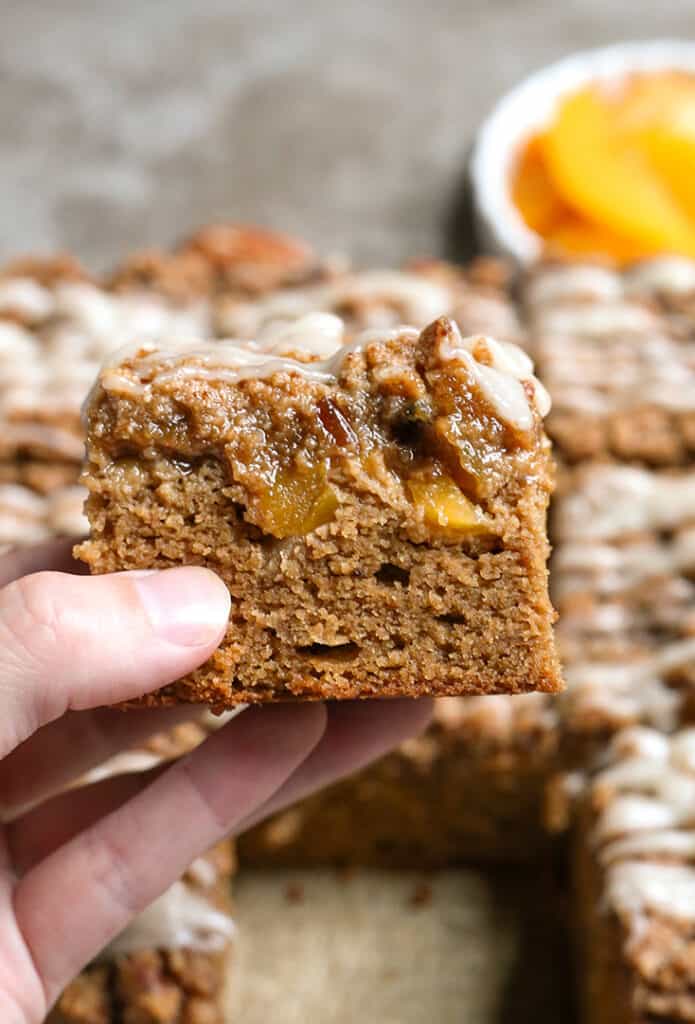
(575, 237)
(608, 179)
(533, 190)
(665, 100)
(673, 158)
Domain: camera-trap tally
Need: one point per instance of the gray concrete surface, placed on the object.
(126, 123)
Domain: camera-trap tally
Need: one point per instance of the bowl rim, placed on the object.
(528, 106)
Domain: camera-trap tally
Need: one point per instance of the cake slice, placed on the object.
(622, 579)
(477, 296)
(624, 564)
(29, 517)
(378, 515)
(634, 881)
(57, 323)
(170, 965)
(617, 353)
(469, 789)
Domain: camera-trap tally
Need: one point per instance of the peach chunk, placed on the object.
(297, 503)
(444, 505)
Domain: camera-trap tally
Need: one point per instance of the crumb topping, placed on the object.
(644, 799)
(429, 414)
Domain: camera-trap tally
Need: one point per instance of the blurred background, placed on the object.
(127, 124)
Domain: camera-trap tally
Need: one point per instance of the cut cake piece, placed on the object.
(617, 353)
(57, 323)
(624, 565)
(477, 297)
(470, 789)
(622, 578)
(634, 881)
(378, 515)
(170, 964)
(29, 517)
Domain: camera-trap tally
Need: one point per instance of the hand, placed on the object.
(76, 867)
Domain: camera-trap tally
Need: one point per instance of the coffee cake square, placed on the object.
(377, 508)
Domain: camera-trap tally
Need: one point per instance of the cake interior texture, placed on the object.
(378, 516)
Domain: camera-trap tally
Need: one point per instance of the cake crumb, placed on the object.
(421, 895)
(294, 892)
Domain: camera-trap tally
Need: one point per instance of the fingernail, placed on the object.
(187, 606)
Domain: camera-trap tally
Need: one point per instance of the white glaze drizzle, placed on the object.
(26, 297)
(630, 691)
(600, 350)
(635, 889)
(181, 918)
(27, 517)
(645, 825)
(382, 296)
(595, 321)
(318, 334)
(610, 568)
(501, 376)
(563, 283)
(599, 376)
(615, 500)
(672, 275)
(668, 275)
(665, 843)
(624, 595)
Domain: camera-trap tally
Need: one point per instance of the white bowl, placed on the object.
(528, 108)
